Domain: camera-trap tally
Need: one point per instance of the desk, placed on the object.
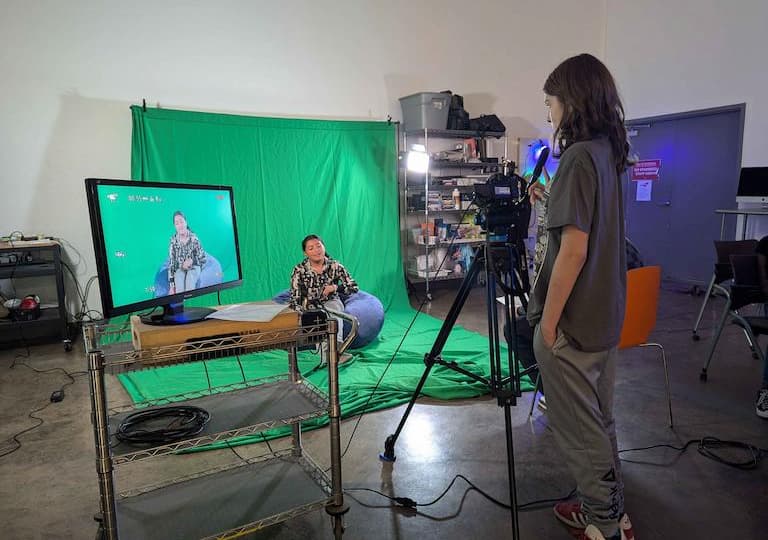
(742, 212)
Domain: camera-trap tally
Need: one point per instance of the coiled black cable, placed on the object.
(171, 424)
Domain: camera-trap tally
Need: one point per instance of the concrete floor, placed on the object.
(49, 489)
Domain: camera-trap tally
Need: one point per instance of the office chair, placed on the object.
(643, 289)
(723, 272)
(745, 290)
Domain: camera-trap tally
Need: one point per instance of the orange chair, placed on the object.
(643, 286)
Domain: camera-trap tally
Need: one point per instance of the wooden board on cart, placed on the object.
(146, 336)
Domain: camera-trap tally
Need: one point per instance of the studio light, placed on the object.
(418, 159)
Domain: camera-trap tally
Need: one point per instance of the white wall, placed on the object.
(680, 55)
(70, 70)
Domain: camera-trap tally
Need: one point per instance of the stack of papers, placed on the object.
(256, 312)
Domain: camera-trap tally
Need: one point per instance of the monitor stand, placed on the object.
(174, 314)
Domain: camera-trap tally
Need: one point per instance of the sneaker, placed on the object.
(542, 403)
(761, 403)
(571, 515)
(593, 533)
(344, 357)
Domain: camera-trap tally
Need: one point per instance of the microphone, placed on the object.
(539, 165)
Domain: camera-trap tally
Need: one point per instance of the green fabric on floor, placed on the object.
(357, 377)
(291, 178)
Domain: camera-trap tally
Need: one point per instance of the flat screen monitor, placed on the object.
(158, 244)
(753, 185)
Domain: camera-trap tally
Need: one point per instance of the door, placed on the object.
(671, 217)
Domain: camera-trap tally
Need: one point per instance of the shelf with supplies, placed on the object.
(453, 134)
(447, 164)
(455, 242)
(36, 317)
(437, 199)
(249, 494)
(421, 278)
(438, 210)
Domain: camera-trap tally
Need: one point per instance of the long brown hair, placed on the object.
(591, 103)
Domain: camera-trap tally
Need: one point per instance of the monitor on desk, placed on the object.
(158, 244)
(753, 185)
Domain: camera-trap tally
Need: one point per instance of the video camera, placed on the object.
(503, 204)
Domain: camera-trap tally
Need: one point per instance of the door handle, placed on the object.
(665, 203)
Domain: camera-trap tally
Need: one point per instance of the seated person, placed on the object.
(317, 281)
(186, 256)
(761, 403)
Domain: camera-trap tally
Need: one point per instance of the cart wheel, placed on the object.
(67, 345)
(703, 376)
(696, 337)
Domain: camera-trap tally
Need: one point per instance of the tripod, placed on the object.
(505, 266)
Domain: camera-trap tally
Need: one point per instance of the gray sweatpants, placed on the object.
(580, 413)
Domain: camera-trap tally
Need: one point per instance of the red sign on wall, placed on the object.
(648, 169)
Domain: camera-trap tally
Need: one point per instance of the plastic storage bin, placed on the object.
(425, 110)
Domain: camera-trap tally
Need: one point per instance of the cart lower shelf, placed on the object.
(227, 503)
(233, 414)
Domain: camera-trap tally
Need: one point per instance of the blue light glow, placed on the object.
(532, 156)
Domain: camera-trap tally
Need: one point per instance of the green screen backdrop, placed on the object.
(337, 179)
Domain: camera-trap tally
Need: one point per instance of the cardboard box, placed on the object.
(145, 336)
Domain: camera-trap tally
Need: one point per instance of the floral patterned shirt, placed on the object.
(178, 252)
(541, 231)
(307, 285)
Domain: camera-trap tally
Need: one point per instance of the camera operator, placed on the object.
(578, 296)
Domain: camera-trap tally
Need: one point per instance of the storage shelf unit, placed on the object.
(422, 196)
(237, 498)
(39, 261)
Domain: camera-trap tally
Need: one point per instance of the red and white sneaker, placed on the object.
(591, 533)
(571, 515)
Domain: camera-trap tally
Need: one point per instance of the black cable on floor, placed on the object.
(56, 396)
(707, 446)
(15, 438)
(236, 452)
(242, 371)
(208, 377)
(410, 503)
(710, 447)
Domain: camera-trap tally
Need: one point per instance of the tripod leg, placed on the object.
(493, 329)
(535, 394)
(389, 443)
(434, 353)
(511, 471)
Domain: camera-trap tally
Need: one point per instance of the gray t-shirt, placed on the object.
(586, 193)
